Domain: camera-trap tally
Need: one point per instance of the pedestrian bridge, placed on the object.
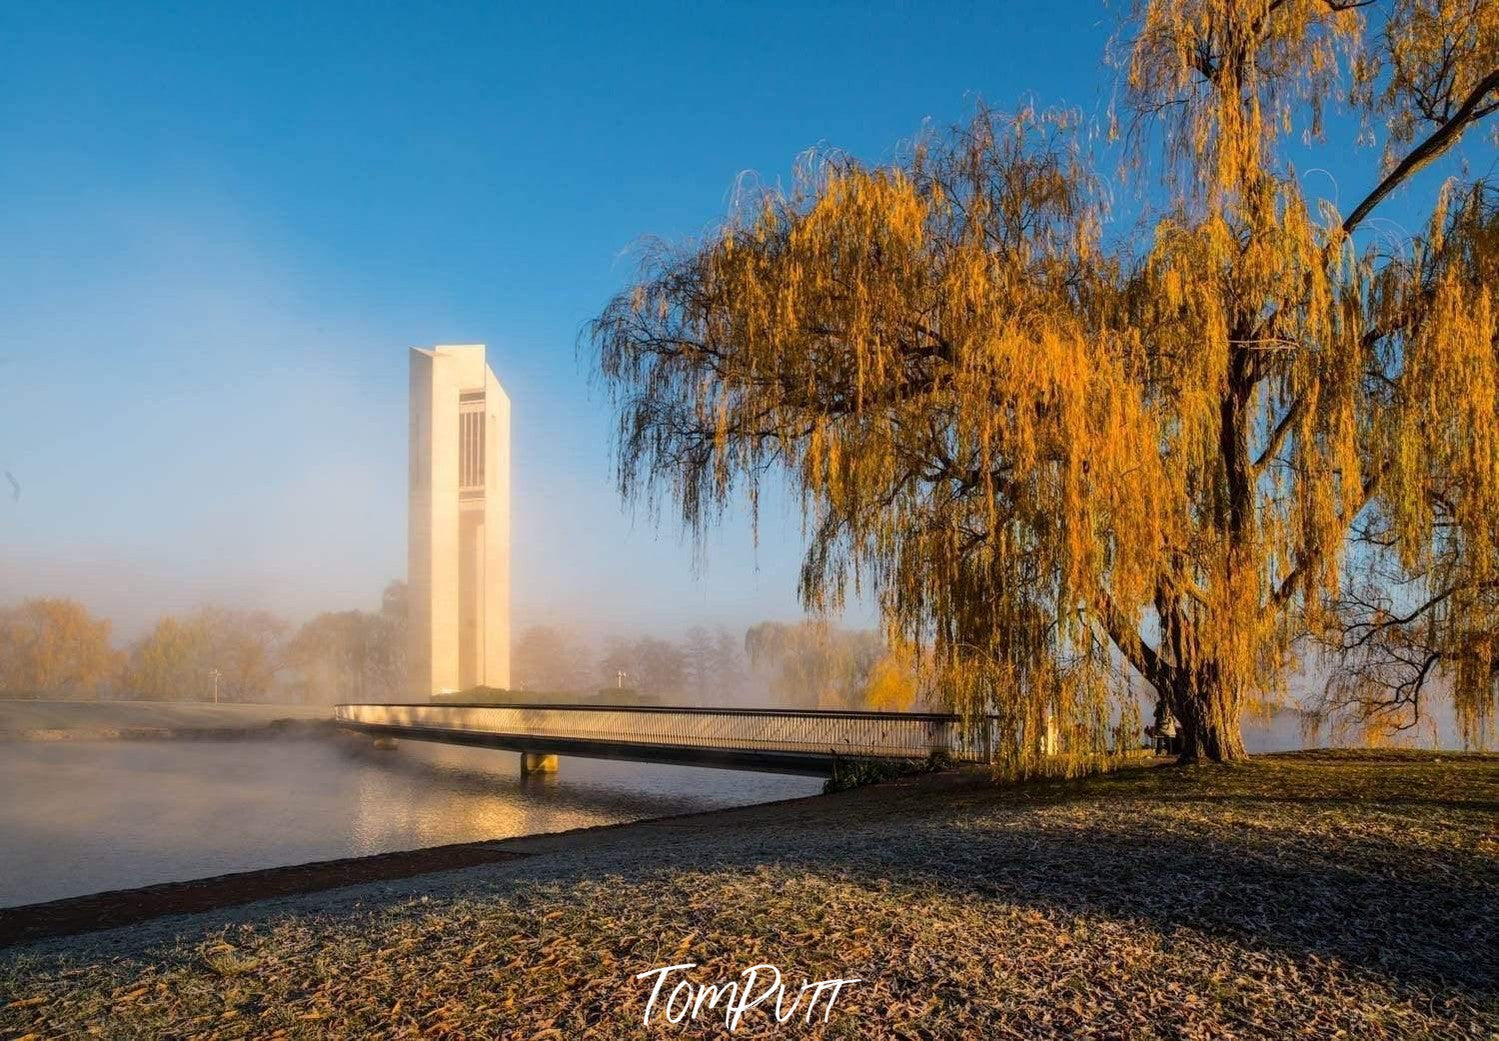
(788, 741)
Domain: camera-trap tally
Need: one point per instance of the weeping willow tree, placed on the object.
(1417, 613)
(1056, 461)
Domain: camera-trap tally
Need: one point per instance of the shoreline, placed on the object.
(1314, 894)
(59, 719)
(296, 729)
(78, 916)
(71, 917)
(119, 908)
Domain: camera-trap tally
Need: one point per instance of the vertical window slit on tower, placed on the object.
(471, 440)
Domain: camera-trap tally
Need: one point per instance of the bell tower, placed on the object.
(458, 533)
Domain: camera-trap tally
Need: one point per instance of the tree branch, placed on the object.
(1278, 435)
(1440, 140)
(1146, 661)
(1288, 585)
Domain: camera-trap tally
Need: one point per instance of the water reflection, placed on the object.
(79, 817)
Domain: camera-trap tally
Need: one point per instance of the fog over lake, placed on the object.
(85, 816)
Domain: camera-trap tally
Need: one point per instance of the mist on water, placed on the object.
(142, 812)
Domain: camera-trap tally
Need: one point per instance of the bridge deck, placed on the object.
(770, 740)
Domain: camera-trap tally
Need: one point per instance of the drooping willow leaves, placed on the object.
(1055, 460)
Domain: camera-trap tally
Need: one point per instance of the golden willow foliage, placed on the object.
(1325, 385)
(911, 346)
(1044, 457)
(1423, 605)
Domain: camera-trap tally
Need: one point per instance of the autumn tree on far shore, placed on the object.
(351, 655)
(53, 647)
(550, 658)
(1046, 452)
(811, 664)
(213, 652)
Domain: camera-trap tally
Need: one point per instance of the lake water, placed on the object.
(81, 817)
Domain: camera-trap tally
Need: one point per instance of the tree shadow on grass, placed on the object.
(1416, 916)
(1346, 802)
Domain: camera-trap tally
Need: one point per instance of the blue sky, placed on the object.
(223, 226)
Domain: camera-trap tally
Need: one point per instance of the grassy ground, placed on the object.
(1299, 896)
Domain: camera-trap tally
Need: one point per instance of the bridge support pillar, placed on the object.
(385, 744)
(537, 763)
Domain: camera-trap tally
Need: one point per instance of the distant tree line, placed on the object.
(806, 664)
(54, 648)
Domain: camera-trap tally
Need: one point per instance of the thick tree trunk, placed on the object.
(1209, 720)
(1206, 710)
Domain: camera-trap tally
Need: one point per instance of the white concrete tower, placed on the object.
(458, 535)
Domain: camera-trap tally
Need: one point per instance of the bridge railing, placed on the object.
(851, 733)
